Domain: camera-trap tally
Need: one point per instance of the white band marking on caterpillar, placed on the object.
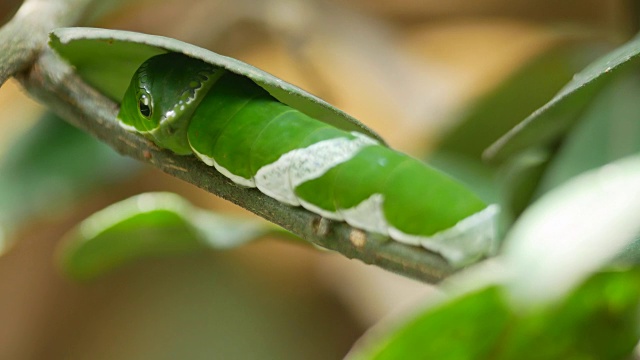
(280, 178)
(228, 174)
(368, 215)
(462, 241)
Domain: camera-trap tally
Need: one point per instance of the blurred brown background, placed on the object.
(406, 68)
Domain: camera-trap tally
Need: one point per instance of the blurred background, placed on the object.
(417, 72)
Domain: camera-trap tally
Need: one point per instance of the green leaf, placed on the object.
(519, 180)
(608, 130)
(467, 327)
(492, 115)
(573, 230)
(597, 320)
(560, 113)
(107, 59)
(459, 152)
(51, 166)
(151, 224)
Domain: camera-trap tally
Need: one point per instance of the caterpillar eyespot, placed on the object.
(233, 124)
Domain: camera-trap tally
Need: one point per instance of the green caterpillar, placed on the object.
(228, 121)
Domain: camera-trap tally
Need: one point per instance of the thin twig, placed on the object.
(27, 33)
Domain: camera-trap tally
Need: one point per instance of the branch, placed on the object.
(55, 84)
(24, 36)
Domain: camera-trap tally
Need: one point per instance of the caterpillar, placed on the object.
(188, 106)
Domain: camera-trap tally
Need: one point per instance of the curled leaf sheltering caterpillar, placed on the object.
(227, 120)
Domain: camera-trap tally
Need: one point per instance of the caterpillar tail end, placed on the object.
(468, 241)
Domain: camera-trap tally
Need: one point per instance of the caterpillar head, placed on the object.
(162, 95)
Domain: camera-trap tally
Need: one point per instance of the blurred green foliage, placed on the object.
(207, 306)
